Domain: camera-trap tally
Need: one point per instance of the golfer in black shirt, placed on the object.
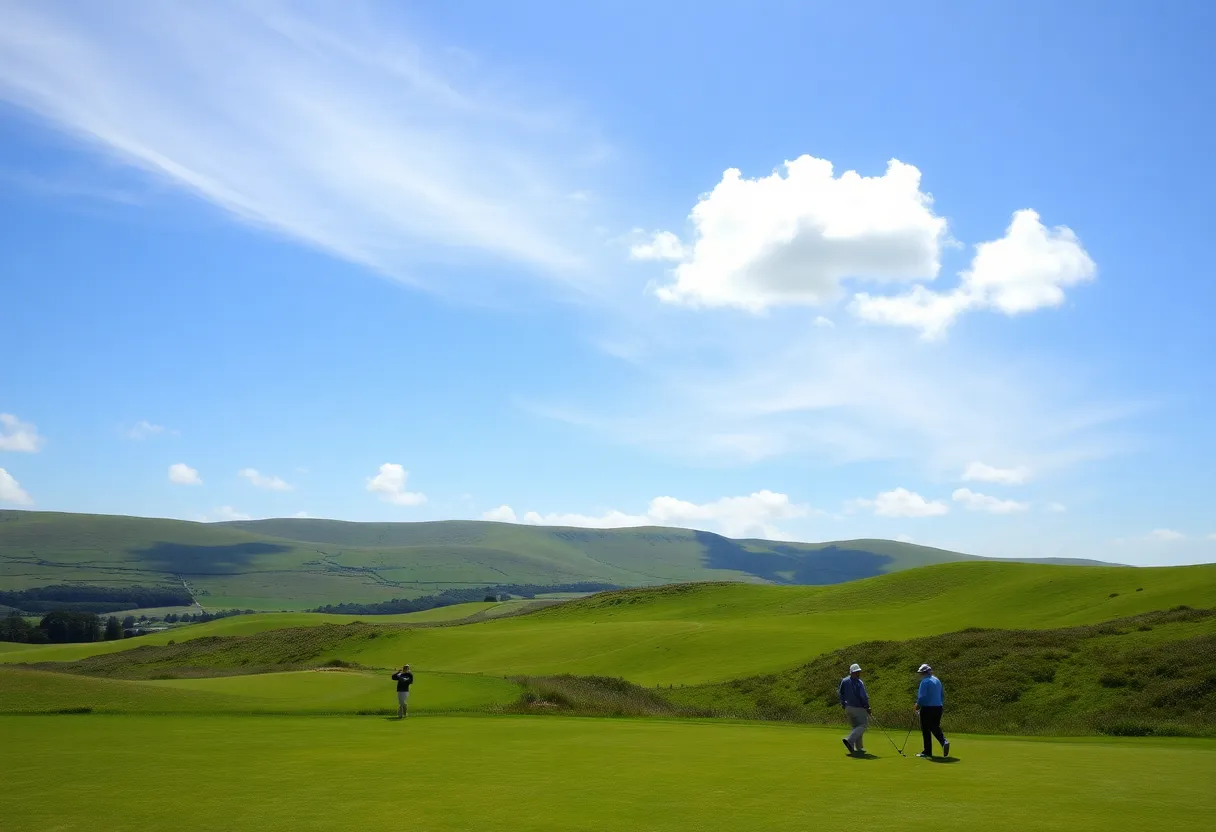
(404, 679)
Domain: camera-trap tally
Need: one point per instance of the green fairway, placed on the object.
(551, 773)
(312, 691)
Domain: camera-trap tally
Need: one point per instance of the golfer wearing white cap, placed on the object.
(929, 704)
(856, 703)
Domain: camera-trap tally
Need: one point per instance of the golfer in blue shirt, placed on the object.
(856, 704)
(929, 705)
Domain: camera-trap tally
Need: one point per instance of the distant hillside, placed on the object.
(304, 563)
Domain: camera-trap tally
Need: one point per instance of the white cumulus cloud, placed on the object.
(1027, 269)
(753, 515)
(182, 474)
(260, 480)
(389, 483)
(502, 514)
(16, 435)
(790, 240)
(974, 501)
(900, 502)
(145, 430)
(661, 245)
(981, 472)
(229, 513)
(12, 492)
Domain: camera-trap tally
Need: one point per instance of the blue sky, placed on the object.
(790, 270)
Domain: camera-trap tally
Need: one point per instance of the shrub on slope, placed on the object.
(1148, 674)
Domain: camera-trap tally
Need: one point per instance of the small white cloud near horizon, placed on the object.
(146, 430)
(1023, 271)
(389, 484)
(900, 502)
(974, 501)
(982, 472)
(790, 240)
(259, 480)
(661, 245)
(223, 514)
(747, 516)
(12, 492)
(182, 474)
(502, 514)
(301, 514)
(904, 538)
(18, 436)
(1166, 535)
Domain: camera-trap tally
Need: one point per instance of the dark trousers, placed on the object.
(931, 726)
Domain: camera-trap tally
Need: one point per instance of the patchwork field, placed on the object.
(439, 773)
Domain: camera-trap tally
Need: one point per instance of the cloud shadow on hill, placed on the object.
(789, 564)
(189, 559)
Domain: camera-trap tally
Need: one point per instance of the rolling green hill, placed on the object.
(295, 564)
(696, 633)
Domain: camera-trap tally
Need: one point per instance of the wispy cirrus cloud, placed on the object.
(315, 121)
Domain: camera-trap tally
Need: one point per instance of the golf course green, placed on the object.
(439, 773)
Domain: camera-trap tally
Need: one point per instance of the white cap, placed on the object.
(854, 668)
(924, 668)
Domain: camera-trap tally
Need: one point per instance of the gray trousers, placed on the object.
(859, 719)
(403, 697)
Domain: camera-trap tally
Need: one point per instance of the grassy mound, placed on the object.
(1149, 674)
(713, 632)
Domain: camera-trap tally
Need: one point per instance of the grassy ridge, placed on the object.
(1152, 673)
(296, 564)
(716, 632)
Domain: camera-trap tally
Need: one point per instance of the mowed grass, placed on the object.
(310, 691)
(696, 633)
(444, 773)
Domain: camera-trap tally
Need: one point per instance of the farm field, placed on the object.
(440, 773)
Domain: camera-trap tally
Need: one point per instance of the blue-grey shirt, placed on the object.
(853, 692)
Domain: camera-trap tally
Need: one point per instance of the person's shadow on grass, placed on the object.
(944, 760)
(863, 755)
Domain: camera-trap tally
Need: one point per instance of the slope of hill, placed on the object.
(301, 563)
(688, 634)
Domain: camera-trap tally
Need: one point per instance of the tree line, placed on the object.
(461, 596)
(97, 599)
(72, 626)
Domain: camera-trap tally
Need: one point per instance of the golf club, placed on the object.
(888, 736)
(915, 714)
